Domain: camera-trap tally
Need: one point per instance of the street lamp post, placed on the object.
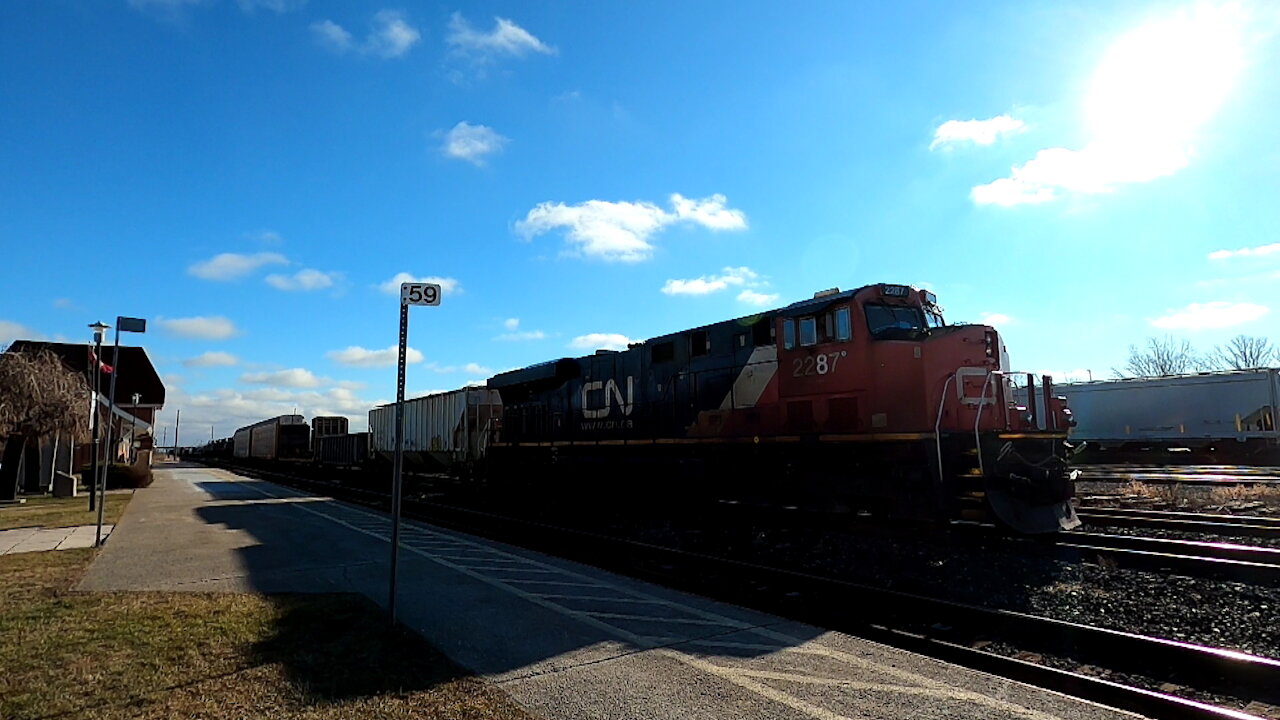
(98, 329)
(123, 324)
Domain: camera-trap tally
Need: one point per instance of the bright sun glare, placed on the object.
(1161, 82)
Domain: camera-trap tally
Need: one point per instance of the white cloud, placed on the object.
(522, 335)
(1210, 315)
(472, 142)
(356, 356)
(995, 319)
(620, 231)
(276, 6)
(171, 6)
(448, 285)
(213, 358)
(291, 378)
(63, 303)
(1149, 97)
(980, 132)
(308, 279)
(708, 284)
(228, 409)
(751, 297)
(204, 328)
(506, 39)
(600, 341)
(390, 36)
(10, 331)
(332, 35)
(476, 369)
(1260, 251)
(514, 333)
(232, 266)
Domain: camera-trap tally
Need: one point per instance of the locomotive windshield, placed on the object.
(895, 322)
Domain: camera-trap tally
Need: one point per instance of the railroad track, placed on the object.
(950, 631)
(1223, 561)
(1202, 523)
(1203, 475)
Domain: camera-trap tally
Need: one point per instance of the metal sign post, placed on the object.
(123, 324)
(410, 294)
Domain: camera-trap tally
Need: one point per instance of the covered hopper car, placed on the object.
(1224, 416)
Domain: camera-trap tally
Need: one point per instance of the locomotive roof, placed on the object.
(549, 368)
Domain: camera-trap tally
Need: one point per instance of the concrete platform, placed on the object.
(565, 640)
(24, 540)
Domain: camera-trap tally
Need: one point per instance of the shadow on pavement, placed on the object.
(338, 647)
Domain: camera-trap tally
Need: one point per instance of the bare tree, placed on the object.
(1161, 356)
(38, 395)
(1245, 352)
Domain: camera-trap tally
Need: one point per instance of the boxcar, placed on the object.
(287, 437)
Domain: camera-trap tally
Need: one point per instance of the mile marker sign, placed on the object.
(411, 293)
(419, 294)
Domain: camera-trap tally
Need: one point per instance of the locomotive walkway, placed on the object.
(565, 640)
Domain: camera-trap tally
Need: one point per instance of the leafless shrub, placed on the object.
(38, 395)
(1161, 356)
(1245, 352)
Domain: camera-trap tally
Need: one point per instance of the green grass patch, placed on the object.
(69, 654)
(52, 512)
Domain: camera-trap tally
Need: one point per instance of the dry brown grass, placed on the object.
(68, 654)
(1268, 494)
(54, 512)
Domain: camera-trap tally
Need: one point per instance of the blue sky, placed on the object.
(247, 174)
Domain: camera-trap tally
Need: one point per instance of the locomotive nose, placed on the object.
(1029, 518)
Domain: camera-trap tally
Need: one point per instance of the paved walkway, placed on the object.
(565, 640)
(24, 540)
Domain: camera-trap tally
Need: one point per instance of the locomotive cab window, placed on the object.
(895, 322)
(844, 330)
(788, 334)
(808, 331)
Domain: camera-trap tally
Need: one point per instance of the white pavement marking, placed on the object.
(923, 685)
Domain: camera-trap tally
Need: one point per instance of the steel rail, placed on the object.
(934, 627)
(1205, 523)
(1227, 561)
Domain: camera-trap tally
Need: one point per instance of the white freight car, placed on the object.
(441, 430)
(1232, 411)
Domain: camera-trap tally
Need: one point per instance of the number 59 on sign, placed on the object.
(419, 294)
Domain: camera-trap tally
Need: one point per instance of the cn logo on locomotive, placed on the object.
(611, 395)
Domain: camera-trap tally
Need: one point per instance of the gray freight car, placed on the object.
(287, 437)
(441, 431)
(1226, 413)
(350, 450)
(328, 425)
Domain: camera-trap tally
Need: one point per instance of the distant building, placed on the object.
(131, 424)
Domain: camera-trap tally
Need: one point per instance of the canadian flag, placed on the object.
(101, 365)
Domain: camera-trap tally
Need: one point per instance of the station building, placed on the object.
(132, 423)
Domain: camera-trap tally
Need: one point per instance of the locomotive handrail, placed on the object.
(937, 426)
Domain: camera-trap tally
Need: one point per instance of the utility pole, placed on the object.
(177, 425)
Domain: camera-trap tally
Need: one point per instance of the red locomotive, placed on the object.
(866, 399)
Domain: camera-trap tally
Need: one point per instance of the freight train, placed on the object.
(866, 400)
(1203, 417)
